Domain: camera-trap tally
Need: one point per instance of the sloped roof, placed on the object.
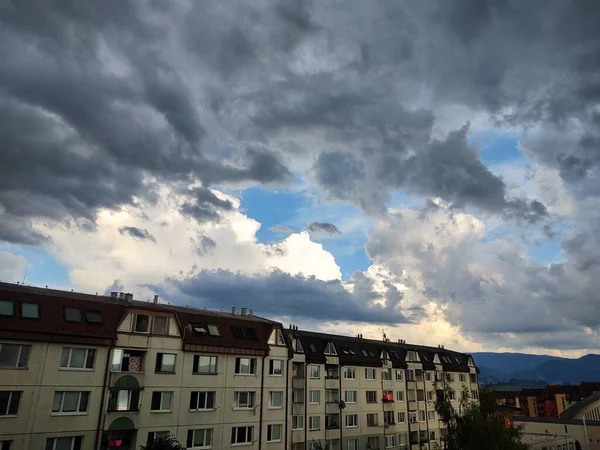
(580, 407)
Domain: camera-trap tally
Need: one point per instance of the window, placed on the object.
(387, 396)
(314, 423)
(312, 348)
(159, 325)
(372, 420)
(142, 323)
(446, 360)
(93, 316)
(475, 395)
(275, 399)
(199, 329)
(213, 330)
(72, 314)
(330, 349)
(70, 402)
(462, 378)
(412, 355)
(369, 374)
(314, 397)
(371, 396)
(64, 443)
(402, 439)
(332, 395)
(30, 311)
(439, 376)
(410, 375)
(350, 396)
(245, 366)
(204, 364)
(401, 417)
(352, 444)
(412, 417)
(431, 416)
(243, 399)
(9, 402)
(250, 333)
(314, 371)
(298, 396)
(274, 432)
(244, 333)
(127, 361)
(398, 375)
(277, 338)
(297, 422)
(432, 435)
(5, 445)
(202, 400)
(199, 438)
(427, 376)
(7, 308)
(77, 358)
(297, 346)
(14, 356)
(153, 435)
(332, 421)
(390, 441)
(421, 415)
(276, 367)
(349, 373)
(400, 396)
(161, 401)
(449, 377)
(386, 374)
(412, 395)
(241, 435)
(165, 363)
(420, 395)
(473, 378)
(388, 418)
(124, 400)
(351, 420)
(430, 396)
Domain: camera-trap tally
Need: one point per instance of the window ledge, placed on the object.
(242, 408)
(75, 369)
(13, 368)
(160, 411)
(244, 375)
(201, 410)
(274, 442)
(9, 416)
(275, 375)
(204, 373)
(164, 373)
(275, 407)
(60, 414)
(241, 444)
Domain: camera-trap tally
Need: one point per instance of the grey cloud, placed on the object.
(204, 244)
(281, 229)
(116, 286)
(137, 233)
(11, 267)
(280, 294)
(323, 227)
(206, 207)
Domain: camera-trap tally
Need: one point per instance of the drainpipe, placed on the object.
(305, 403)
(426, 412)
(407, 402)
(339, 401)
(262, 400)
(102, 412)
(382, 407)
(287, 397)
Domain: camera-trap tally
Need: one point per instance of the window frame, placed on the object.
(135, 323)
(10, 402)
(161, 396)
(72, 308)
(190, 438)
(207, 395)
(251, 366)
(354, 442)
(75, 440)
(310, 423)
(17, 365)
(161, 356)
(38, 311)
(94, 321)
(374, 397)
(370, 370)
(85, 359)
(272, 395)
(166, 329)
(272, 370)
(12, 307)
(248, 435)
(393, 438)
(401, 417)
(78, 411)
(400, 396)
(213, 329)
(317, 369)
(355, 395)
(251, 397)
(354, 416)
(310, 397)
(348, 371)
(399, 375)
(375, 422)
(296, 416)
(197, 364)
(152, 435)
(430, 416)
(270, 428)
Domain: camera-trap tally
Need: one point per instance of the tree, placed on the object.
(316, 445)
(474, 425)
(163, 443)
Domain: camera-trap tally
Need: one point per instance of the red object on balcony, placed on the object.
(115, 443)
(388, 397)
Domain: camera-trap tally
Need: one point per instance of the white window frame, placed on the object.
(401, 417)
(367, 394)
(10, 398)
(161, 434)
(332, 395)
(349, 371)
(370, 371)
(70, 359)
(387, 439)
(21, 347)
(162, 362)
(248, 434)
(354, 394)
(77, 412)
(149, 324)
(162, 399)
(330, 349)
(462, 377)
(386, 374)
(422, 416)
(270, 428)
(399, 375)
(403, 439)
(210, 364)
(311, 426)
(272, 395)
(251, 366)
(314, 371)
(73, 438)
(273, 370)
(373, 415)
(412, 417)
(431, 416)
(410, 375)
(250, 399)
(399, 396)
(353, 419)
(206, 396)
(427, 376)
(352, 444)
(205, 445)
(310, 397)
(298, 418)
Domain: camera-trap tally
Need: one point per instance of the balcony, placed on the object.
(298, 382)
(332, 421)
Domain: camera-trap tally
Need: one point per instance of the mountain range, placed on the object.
(499, 367)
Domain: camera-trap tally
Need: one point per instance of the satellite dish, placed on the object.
(342, 404)
(189, 328)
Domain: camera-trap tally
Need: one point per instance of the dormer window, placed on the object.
(200, 329)
(330, 349)
(142, 323)
(244, 333)
(412, 355)
(446, 360)
(277, 337)
(213, 330)
(297, 345)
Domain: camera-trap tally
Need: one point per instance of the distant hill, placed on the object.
(498, 367)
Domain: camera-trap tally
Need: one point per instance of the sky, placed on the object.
(428, 170)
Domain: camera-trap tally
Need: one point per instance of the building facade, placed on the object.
(90, 372)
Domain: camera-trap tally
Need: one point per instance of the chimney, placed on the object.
(244, 311)
(233, 310)
(156, 299)
(129, 297)
(121, 295)
(250, 313)
(114, 294)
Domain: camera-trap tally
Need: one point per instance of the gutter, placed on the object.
(287, 398)
(426, 411)
(101, 415)
(262, 395)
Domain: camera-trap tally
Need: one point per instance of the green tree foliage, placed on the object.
(163, 443)
(474, 425)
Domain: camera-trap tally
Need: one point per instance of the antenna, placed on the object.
(383, 330)
(24, 274)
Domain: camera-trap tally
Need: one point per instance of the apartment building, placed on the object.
(83, 372)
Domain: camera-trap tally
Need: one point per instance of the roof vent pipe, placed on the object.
(244, 311)
(114, 294)
(233, 310)
(250, 313)
(155, 299)
(121, 295)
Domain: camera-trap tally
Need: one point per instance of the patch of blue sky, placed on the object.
(42, 268)
(496, 147)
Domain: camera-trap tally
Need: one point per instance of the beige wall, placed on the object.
(533, 431)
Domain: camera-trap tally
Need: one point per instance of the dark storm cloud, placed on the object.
(323, 227)
(137, 233)
(304, 297)
(203, 245)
